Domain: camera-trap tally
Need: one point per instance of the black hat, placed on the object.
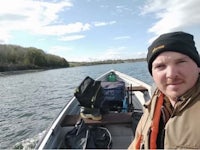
(175, 41)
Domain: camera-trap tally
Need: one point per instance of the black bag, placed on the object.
(114, 95)
(89, 93)
(85, 137)
(113, 91)
(101, 137)
(77, 137)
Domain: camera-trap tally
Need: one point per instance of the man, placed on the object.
(171, 118)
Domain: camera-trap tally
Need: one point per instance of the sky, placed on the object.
(95, 30)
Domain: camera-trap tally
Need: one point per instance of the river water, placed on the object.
(29, 102)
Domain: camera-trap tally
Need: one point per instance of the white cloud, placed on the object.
(173, 14)
(117, 53)
(123, 9)
(62, 29)
(97, 24)
(112, 53)
(59, 50)
(72, 37)
(4, 38)
(29, 15)
(31, 12)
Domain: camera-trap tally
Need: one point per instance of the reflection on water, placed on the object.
(30, 102)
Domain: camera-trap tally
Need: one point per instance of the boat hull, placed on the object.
(121, 125)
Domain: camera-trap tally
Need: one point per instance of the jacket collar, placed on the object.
(187, 98)
(182, 102)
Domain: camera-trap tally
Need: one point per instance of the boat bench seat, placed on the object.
(110, 118)
(136, 88)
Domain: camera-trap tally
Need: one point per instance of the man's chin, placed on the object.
(173, 95)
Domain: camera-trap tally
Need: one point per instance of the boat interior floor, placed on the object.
(120, 125)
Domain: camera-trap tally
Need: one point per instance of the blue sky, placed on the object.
(90, 30)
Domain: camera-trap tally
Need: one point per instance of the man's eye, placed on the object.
(181, 61)
(159, 66)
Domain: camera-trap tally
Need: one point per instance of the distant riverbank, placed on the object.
(16, 69)
(117, 61)
(20, 72)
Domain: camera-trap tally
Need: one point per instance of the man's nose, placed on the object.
(171, 72)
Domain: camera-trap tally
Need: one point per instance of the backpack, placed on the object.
(83, 136)
(89, 93)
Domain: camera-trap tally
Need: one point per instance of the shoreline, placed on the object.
(20, 72)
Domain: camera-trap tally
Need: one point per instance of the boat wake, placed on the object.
(29, 143)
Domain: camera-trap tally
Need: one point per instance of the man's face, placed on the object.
(174, 73)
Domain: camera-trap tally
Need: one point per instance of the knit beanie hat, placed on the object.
(175, 41)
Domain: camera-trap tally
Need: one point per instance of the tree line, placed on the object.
(110, 61)
(14, 57)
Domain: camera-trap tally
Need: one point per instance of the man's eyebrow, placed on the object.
(184, 57)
